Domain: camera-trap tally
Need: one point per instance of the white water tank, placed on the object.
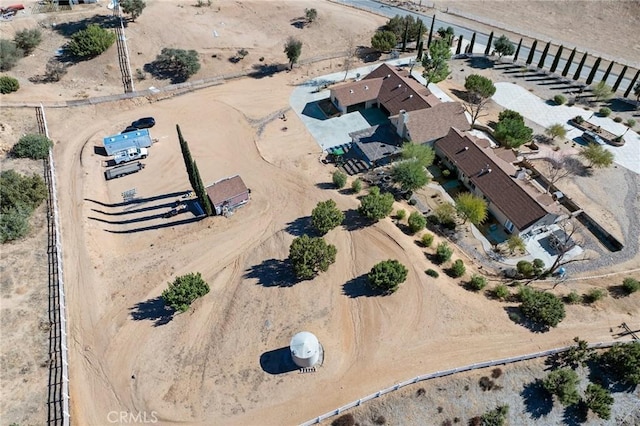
(305, 349)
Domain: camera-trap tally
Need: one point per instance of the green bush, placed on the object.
(184, 290)
(604, 111)
(573, 298)
(618, 119)
(339, 179)
(21, 192)
(477, 282)
(446, 173)
(541, 307)
(326, 216)
(501, 292)
(427, 240)
(32, 146)
(594, 295)
(416, 222)
(91, 41)
(630, 285)
(559, 99)
(8, 84)
(401, 214)
(630, 122)
(578, 119)
(28, 40)
(356, 186)
(309, 256)
(387, 275)
(458, 269)
(10, 54)
(14, 224)
(443, 252)
(432, 273)
(525, 268)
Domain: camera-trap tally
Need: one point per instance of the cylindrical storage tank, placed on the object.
(305, 349)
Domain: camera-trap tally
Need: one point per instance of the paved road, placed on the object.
(482, 39)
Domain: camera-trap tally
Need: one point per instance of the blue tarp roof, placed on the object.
(122, 141)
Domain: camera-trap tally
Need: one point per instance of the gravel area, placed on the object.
(461, 398)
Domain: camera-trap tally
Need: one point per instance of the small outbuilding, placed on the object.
(305, 349)
(228, 194)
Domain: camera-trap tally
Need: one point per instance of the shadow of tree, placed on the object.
(480, 62)
(617, 291)
(273, 273)
(67, 29)
(264, 70)
(325, 185)
(460, 94)
(354, 220)
(301, 226)
(359, 287)
(516, 315)
(537, 401)
(576, 414)
(277, 361)
(600, 375)
(152, 310)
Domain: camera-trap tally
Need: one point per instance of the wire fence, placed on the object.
(58, 395)
(444, 373)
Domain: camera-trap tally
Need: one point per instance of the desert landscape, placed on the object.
(127, 353)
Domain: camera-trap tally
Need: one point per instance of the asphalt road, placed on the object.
(482, 39)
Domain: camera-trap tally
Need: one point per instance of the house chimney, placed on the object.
(399, 86)
(466, 148)
(410, 96)
(366, 87)
(388, 75)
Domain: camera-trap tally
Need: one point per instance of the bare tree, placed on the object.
(557, 167)
(351, 53)
(563, 242)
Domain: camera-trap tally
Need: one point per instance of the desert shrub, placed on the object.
(594, 295)
(34, 146)
(8, 84)
(416, 222)
(380, 420)
(486, 384)
(573, 298)
(91, 41)
(496, 373)
(432, 273)
(10, 54)
(14, 224)
(401, 214)
(501, 291)
(326, 216)
(604, 111)
(458, 269)
(563, 383)
(427, 240)
(344, 420)
(559, 99)
(578, 119)
(525, 268)
(386, 276)
(630, 122)
(495, 417)
(622, 361)
(310, 255)
(446, 173)
(356, 186)
(630, 285)
(339, 179)
(477, 282)
(421, 392)
(443, 252)
(618, 119)
(184, 290)
(541, 307)
(21, 192)
(176, 64)
(28, 40)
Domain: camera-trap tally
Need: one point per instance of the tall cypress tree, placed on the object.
(543, 57)
(186, 155)
(433, 22)
(594, 69)
(532, 52)
(619, 80)
(406, 34)
(420, 48)
(567, 66)
(201, 192)
(472, 43)
(515, 57)
(488, 48)
(459, 47)
(632, 85)
(556, 60)
(576, 76)
(607, 72)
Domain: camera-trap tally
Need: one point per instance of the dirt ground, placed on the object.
(204, 366)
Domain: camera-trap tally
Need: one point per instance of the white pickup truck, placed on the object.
(130, 155)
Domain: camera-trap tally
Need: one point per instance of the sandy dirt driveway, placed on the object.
(204, 367)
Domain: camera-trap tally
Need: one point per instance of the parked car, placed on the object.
(591, 137)
(144, 123)
(130, 154)
(130, 129)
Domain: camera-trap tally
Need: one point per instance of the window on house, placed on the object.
(508, 225)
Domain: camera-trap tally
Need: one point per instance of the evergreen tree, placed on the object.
(544, 56)
(186, 155)
(556, 60)
(201, 192)
(515, 56)
(619, 80)
(532, 52)
(576, 76)
(607, 72)
(488, 48)
(594, 69)
(565, 71)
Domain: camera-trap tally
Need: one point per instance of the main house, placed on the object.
(415, 114)
(491, 174)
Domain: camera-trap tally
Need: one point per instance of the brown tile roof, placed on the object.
(503, 191)
(358, 91)
(226, 189)
(433, 123)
